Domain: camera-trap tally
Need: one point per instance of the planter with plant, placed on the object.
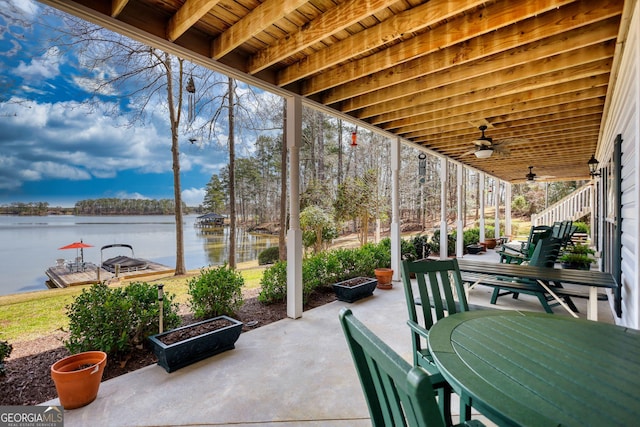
(214, 296)
(579, 257)
(351, 290)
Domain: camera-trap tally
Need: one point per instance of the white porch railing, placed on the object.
(573, 207)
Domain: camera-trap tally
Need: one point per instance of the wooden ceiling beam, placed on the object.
(253, 23)
(336, 19)
(496, 67)
(492, 18)
(189, 13)
(413, 20)
(541, 73)
(532, 87)
(536, 38)
(521, 130)
(561, 113)
(117, 6)
(461, 145)
(562, 93)
(526, 114)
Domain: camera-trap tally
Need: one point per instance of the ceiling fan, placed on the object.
(485, 146)
(532, 177)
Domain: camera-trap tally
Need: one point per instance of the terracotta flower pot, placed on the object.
(384, 277)
(77, 378)
(491, 243)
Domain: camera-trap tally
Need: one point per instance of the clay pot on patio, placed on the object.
(491, 243)
(77, 378)
(384, 276)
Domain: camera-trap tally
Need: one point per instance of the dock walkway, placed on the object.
(62, 277)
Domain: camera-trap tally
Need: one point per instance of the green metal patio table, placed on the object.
(537, 369)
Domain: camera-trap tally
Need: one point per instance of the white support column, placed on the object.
(460, 213)
(507, 209)
(481, 205)
(294, 234)
(496, 194)
(444, 238)
(395, 209)
(592, 216)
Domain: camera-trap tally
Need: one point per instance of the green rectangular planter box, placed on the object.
(180, 354)
(353, 293)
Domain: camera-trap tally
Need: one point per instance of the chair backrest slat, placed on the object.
(397, 394)
(546, 252)
(437, 282)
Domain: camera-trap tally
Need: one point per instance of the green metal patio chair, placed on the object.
(437, 283)
(397, 394)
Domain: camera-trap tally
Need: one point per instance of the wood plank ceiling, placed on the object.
(536, 73)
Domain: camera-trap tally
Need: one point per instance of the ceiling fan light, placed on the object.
(531, 176)
(484, 153)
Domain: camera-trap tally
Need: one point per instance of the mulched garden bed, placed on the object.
(28, 379)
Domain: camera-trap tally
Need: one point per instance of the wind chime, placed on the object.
(191, 100)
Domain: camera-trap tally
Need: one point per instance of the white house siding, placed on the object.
(624, 119)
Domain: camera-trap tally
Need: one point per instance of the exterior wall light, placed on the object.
(593, 166)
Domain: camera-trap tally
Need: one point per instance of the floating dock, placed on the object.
(62, 276)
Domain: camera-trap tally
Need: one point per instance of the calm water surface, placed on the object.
(29, 245)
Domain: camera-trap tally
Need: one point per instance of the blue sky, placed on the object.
(56, 149)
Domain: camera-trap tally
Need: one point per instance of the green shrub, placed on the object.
(114, 320)
(421, 246)
(5, 351)
(581, 227)
(581, 249)
(269, 255)
(324, 269)
(216, 291)
(451, 243)
(274, 283)
(471, 236)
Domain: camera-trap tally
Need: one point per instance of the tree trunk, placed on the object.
(283, 187)
(175, 152)
(232, 181)
(339, 151)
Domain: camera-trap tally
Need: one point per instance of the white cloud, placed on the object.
(126, 195)
(53, 170)
(193, 196)
(46, 66)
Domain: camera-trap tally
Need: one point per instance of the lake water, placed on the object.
(29, 245)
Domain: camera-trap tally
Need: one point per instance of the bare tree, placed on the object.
(121, 68)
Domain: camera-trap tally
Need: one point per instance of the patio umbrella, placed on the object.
(78, 245)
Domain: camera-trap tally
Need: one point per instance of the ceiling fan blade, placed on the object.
(507, 141)
(468, 153)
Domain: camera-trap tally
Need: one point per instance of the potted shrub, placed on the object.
(579, 257)
(214, 295)
(77, 378)
(351, 290)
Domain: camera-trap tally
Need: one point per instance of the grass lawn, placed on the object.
(30, 315)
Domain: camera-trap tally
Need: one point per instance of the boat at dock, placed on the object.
(122, 263)
(110, 270)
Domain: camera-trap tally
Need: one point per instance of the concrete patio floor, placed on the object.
(288, 373)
